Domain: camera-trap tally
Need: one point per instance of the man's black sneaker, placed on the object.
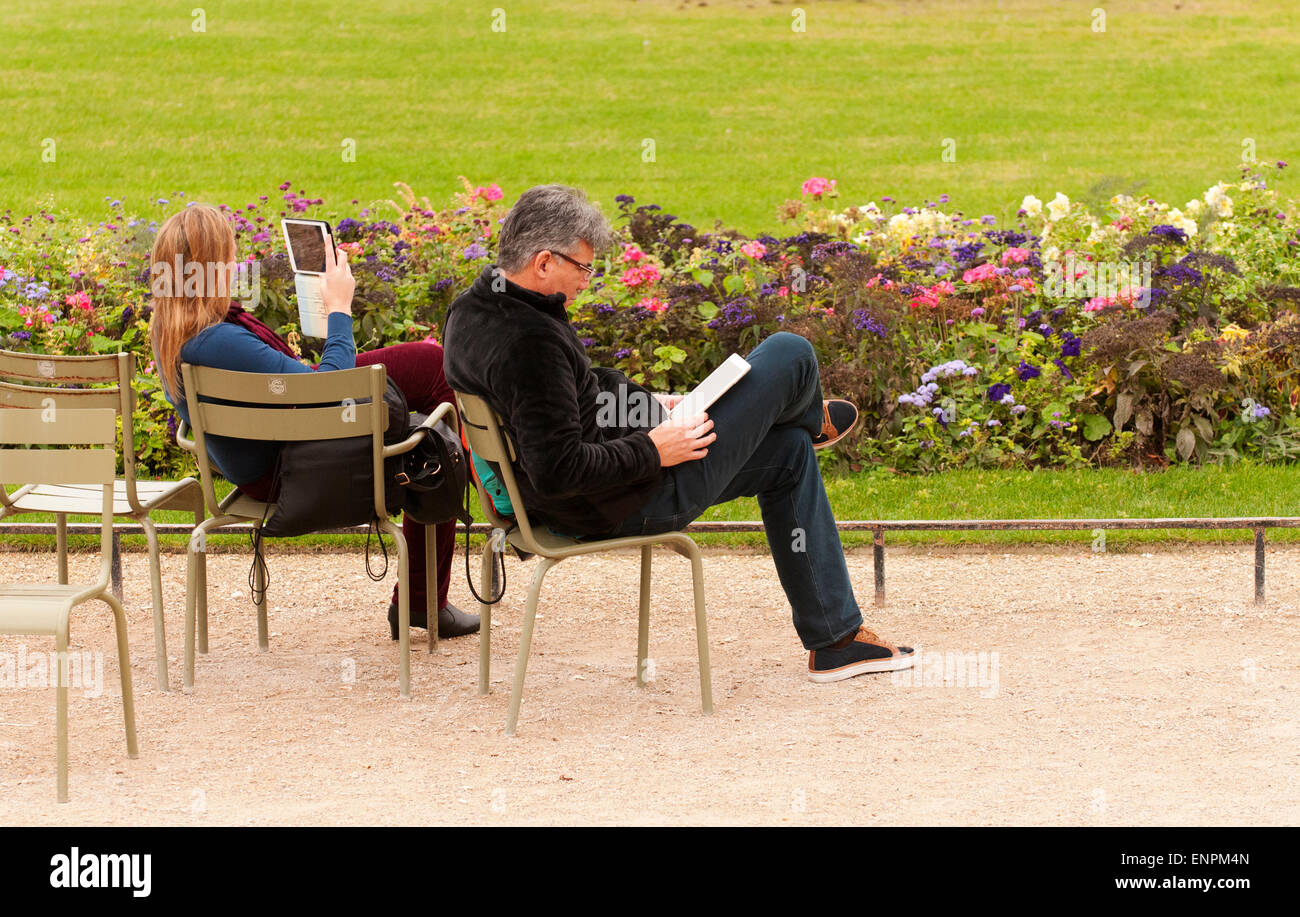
(864, 653)
(838, 418)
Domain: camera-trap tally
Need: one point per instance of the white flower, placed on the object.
(1194, 208)
(1218, 200)
(1058, 207)
(869, 207)
(900, 225)
(841, 219)
(1051, 253)
(1031, 205)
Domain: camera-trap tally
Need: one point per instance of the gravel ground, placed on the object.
(1120, 688)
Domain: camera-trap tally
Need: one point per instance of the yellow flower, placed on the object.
(1233, 332)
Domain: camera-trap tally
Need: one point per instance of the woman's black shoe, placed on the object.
(452, 622)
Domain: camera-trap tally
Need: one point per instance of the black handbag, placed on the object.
(433, 475)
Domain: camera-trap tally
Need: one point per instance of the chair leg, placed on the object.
(404, 608)
(259, 590)
(155, 587)
(431, 584)
(61, 547)
(485, 618)
(61, 716)
(124, 666)
(701, 626)
(643, 623)
(525, 643)
(191, 601)
(202, 590)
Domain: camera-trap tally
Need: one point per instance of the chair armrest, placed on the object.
(183, 438)
(440, 412)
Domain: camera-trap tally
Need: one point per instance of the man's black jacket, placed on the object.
(516, 349)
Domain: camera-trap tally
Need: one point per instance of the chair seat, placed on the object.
(78, 500)
(36, 608)
(559, 546)
(238, 503)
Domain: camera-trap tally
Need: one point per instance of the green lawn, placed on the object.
(740, 107)
(1244, 490)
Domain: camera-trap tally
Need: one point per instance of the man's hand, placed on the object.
(337, 284)
(668, 402)
(683, 442)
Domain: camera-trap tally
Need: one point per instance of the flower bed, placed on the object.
(1127, 332)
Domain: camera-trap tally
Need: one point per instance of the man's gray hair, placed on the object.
(553, 218)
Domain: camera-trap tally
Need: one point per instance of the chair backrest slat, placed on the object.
(282, 388)
(58, 466)
(65, 426)
(289, 424)
(481, 428)
(60, 370)
(35, 396)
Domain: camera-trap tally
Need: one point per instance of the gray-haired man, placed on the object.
(509, 340)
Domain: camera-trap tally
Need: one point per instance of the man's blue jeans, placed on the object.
(765, 425)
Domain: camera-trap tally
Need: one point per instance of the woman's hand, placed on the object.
(683, 442)
(337, 284)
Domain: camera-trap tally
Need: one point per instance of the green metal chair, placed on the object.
(483, 429)
(65, 382)
(287, 408)
(43, 609)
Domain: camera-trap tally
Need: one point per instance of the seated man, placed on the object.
(508, 339)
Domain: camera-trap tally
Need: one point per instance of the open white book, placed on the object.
(710, 390)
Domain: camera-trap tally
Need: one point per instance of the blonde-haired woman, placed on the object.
(194, 321)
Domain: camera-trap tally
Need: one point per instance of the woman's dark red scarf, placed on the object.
(237, 316)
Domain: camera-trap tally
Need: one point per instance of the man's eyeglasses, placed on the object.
(578, 264)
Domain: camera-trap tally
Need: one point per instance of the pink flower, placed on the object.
(653, 303)
(818, 186)
(1129, 295)
(632, 254)
(754, 249)
(944, 287)
(783, 291)
(353, 249)
(1015, 256)
(642, 274)
(80, 300)
(979, 274)
(490, 193)
(1097, 303)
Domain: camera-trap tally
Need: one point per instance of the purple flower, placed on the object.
(977, 312)
(999, 390)
(474, 251)
(1165, 231)
(622, 352)
(863, 321)
(1060, 364)
(1071, 346)
(1261, 412)
(1026, 371)
(993, 422)
(21, 335)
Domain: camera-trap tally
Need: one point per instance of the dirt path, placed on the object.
(1126, 689)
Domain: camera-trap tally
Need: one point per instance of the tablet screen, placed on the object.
(307, 241)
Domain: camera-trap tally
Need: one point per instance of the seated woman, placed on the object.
(207, 329)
